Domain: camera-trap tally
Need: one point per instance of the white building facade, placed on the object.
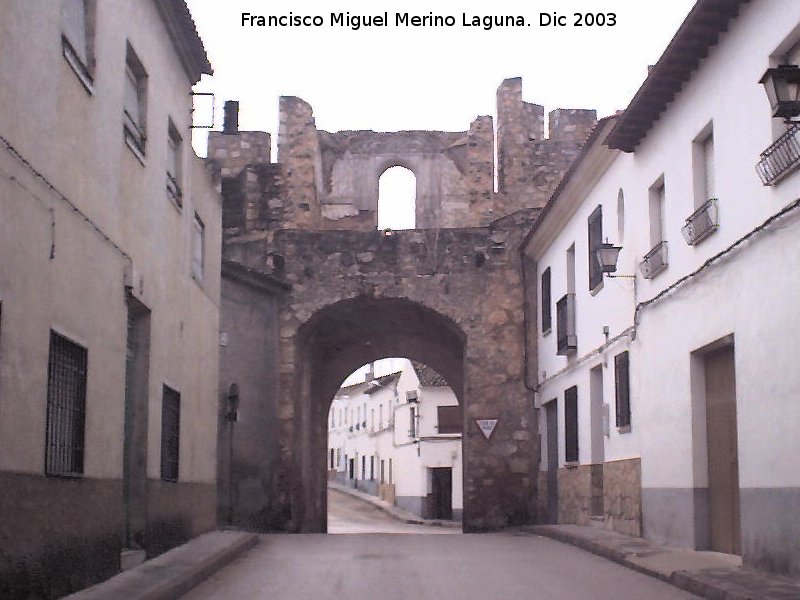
(398, 436)
(694, 344)
(110, 241)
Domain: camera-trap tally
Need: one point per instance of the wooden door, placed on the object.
(723, 457)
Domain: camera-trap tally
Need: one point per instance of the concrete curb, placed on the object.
(392, 511)
(173, 573)
(715, 583)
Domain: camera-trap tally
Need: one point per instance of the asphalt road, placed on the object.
(407, 564)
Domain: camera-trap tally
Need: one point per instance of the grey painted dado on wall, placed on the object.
(412, 504)
(676, 516)
(771, 529)
(770, 523)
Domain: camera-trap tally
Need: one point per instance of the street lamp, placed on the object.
(607, 255)
(782, 85)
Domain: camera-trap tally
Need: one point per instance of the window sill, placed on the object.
(64, 475)
(623, 430)
(547, 332)
(572, 465)
(76, 64)
(176, 202)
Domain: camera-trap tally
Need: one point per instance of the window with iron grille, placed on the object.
(66, 407)
(571, 424)
(449, 419)
(595, 241)
(170, 433)
(622, 384)
(547, 315)
(372, 468)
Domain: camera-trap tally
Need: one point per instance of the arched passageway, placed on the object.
(331, 345)
(394, 432)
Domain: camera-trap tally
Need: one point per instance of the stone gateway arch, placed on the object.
(312, 291)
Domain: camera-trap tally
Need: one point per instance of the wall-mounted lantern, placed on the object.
(233, 403)
(607, 255)
(782, 84)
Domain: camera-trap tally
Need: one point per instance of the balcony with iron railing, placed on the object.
(654, 261)
(567, 339)
(701, 223)
(781, 158)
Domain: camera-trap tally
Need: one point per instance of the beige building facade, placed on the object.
(109, 291)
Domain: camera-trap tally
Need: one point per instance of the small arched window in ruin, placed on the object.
(397, 199)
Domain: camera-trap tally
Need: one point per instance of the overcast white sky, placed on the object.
(396, 78)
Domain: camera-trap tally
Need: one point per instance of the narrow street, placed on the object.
(377, 557)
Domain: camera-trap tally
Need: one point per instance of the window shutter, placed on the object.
(571, 424)
(449, 419)
(547, 317)
(622, 384)
(595, 241)
(708, 164)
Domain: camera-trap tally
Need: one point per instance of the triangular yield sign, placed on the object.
(486, 426)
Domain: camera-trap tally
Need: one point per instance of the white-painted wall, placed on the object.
(411, 457)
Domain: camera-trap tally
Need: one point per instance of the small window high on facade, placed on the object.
(703, 163)
(657, 200)
(135, 102)
(76, 38)
(174, 143)
(198, 247)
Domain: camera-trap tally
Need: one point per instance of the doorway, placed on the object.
(551, 413)
(441, 498)
(722, 446)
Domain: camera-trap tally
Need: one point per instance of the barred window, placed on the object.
(66, 407)
(170, 433)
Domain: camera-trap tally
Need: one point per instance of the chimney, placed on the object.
(231, 123)
(370, 374)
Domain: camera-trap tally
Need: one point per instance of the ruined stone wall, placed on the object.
(469, 277)
(530, 164)
(611, 490)
(622, 496)
(329, 181)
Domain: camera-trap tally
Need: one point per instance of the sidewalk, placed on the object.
(173, 573)
(391, 510)
(707, 574)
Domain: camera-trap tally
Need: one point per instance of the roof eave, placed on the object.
(698, 33)
(183, 33)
